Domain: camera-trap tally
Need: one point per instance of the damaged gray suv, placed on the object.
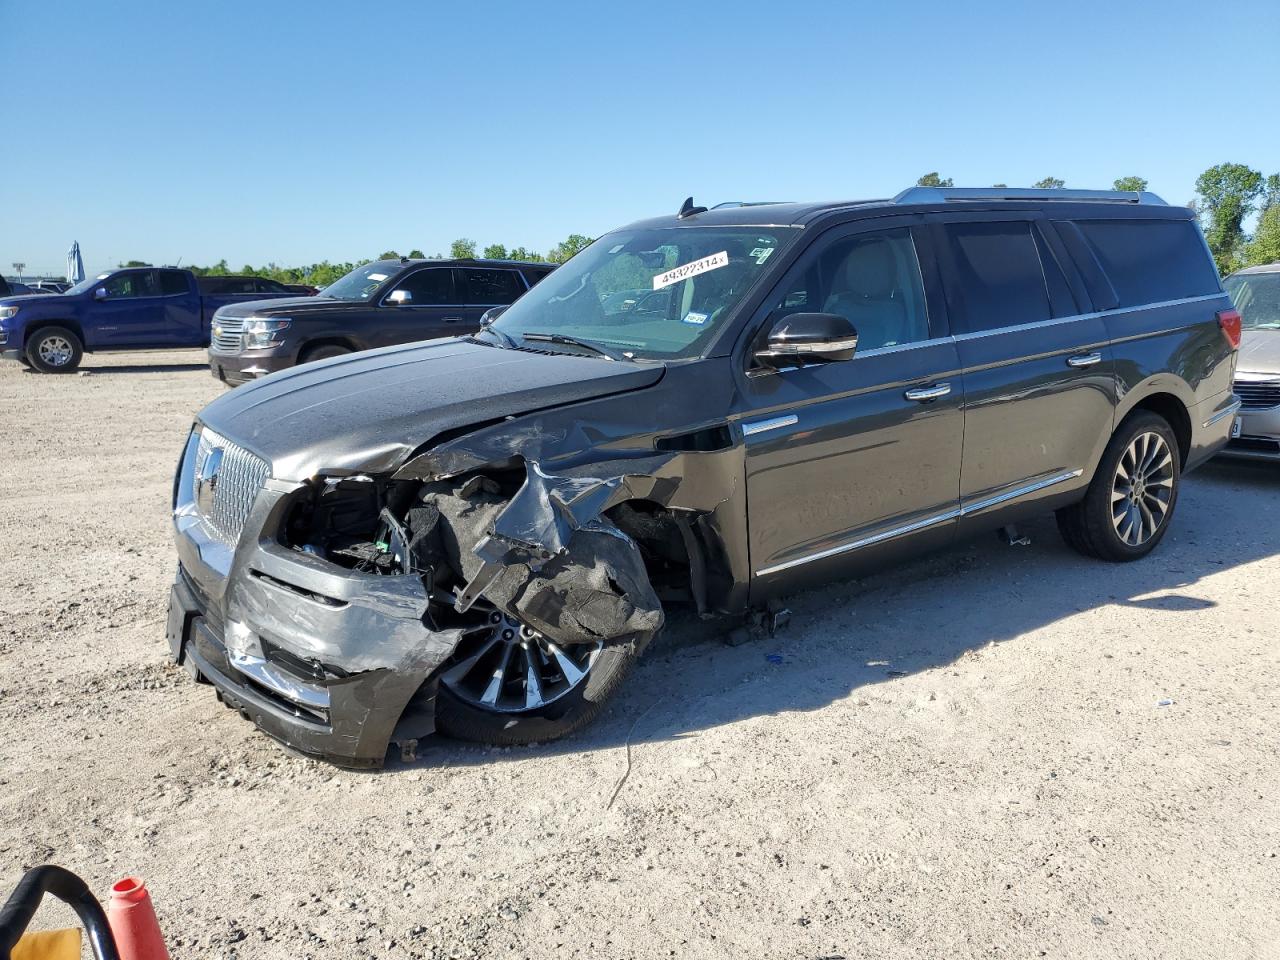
(480, 534)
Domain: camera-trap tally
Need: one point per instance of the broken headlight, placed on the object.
(263, 332)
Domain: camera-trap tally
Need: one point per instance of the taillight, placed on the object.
(1229, 321)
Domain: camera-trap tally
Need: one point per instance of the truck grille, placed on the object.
(1257, 395)
(228, 334)
(240, 477)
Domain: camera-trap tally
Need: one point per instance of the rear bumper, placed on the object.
(240, 368)
(1211, 423)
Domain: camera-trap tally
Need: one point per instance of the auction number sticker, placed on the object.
(684, 272)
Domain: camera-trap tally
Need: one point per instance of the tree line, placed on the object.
(1226, 195)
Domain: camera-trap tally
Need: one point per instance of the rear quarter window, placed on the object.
(1151, 261)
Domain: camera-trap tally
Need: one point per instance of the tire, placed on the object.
(1120, 520)
(459, 714)
(54, 350)
(323, 352)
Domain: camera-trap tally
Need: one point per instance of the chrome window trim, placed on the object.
(962, 511)
(1054, 321)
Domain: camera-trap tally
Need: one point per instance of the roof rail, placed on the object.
(952, 194)
(745, 203)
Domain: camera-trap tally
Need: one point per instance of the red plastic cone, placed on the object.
(133, 922)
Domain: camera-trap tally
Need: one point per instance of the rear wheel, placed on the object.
(54, 350)
(508, 684)
(323, 352)
(1130, 501)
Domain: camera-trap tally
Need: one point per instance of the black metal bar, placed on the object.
(22, 904)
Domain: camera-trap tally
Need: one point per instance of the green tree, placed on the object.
(1049, 183)
(416, 254)
(389, 255)
(1227, 194)
(495, 251)
(133, 263)
(1265, 245)
(934, 180)
(999, 186)
(1136, 184)
(462, 248)
(566, 248)
(520, 253)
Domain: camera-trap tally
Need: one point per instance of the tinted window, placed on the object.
(171, 282)
(871, 279)
(140, 284)
(268, 286)
(491, 287)
(429, 287)
(1001, 282)
(533, 276)
(1149, 261)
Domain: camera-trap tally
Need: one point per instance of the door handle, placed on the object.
(931, 392)
(1084, 360)
(452, 319)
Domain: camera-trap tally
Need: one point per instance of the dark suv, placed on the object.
(480, 533)
(376, 305)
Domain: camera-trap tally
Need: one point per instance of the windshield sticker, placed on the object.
(698, 319)
(761, 254)
(684, 272)
(378, 277)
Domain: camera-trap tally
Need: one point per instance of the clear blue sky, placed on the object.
(299, 131)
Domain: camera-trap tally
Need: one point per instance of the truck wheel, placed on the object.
(1130, 501)
(510, 685)
(54, 350)
(323, 352)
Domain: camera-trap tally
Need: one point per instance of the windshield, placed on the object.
(651, 294)
(88, 283)
(359, 284)
(1257, 297)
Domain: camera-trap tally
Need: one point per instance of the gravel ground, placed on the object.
(999, 751)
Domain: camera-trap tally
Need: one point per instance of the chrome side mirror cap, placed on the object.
(100, 293)
(799, 337)
(399, 297)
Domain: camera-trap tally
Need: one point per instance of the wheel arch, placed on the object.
(310, 346)
(1171, 408)
(35, 326)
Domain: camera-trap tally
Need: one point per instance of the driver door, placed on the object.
(850, 461)
(132, 313)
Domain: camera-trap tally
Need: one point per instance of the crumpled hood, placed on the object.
(285, 307)
(367, 412)
(1259, 352)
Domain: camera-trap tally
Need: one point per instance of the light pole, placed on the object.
(18, 268)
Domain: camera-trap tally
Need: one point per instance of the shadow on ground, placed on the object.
(858, 633)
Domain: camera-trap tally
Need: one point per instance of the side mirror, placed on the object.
(492, 314)
(809, 336)
(100, 293)
(399, 297)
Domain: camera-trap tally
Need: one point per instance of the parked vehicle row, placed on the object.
(1256, 294)
(138, 308)
(482, 533)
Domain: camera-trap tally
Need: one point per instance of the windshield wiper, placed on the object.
(574, 342)
(505, 338)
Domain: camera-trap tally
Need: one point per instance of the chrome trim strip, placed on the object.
(864, 542)
(968, 508)
(978, 334)
(273, 678)
(773, 423)
(1223, 414)
(963, 511)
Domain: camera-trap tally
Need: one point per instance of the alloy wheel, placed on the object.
(56, 351)
(504, 666)
(1142, 490)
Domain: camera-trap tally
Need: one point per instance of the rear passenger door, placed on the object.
(485, 288)
(1039, 381)
(433, 308)
(181, 324)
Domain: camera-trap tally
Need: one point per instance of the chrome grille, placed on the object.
(228, 334)
(240, 477)
(1258, 395)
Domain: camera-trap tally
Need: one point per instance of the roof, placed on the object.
(1261, 268)
(469, 262)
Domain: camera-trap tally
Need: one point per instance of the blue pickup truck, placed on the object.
(135, 308)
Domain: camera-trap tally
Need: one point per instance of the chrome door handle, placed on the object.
(1084, 360)
(925, 394)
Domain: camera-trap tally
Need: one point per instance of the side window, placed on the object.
(268, 286)
(141, 283)
(1001, 280)
(491, 287)
(429, 288)
(533, 276)
(1150, 261)
(872, 279)
(172, 282)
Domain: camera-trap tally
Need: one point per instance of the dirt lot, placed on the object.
(965, 757)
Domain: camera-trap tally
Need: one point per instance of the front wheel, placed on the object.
(323, 352)
(54, 350)
(509, 685)
(1130, 501)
